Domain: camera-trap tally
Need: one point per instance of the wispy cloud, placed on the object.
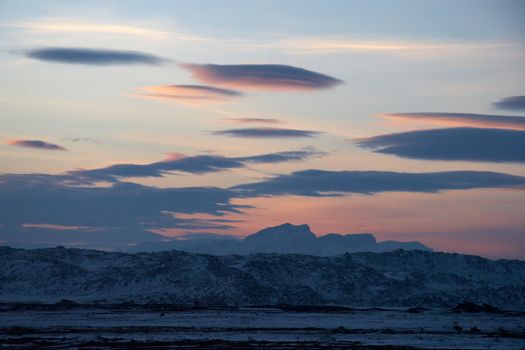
(515, 103)
(261, 77)
(80, 139)
(87, 27)
(460, 119)
(82, 26)
(190, 93)
(267, 133)
(381, 46)
(285, 156)
(37, 144)
(56, 227)
(252, 121)
(467, 144)
(320, 183)
(179, 163)
(297, 45)
(92, 56)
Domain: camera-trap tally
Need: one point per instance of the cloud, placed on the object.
(43, 210)
(200, 164)
(90, 27)
(42, 198)
(261, 77)
(83, 26)
(190, 93)
(195, 164)
(286, 156)
(90, 56)
(318, 45)
(37, 144)
(252, 121)
(467, 144)
(320, 183)
(515, 103)
(48, 210)
(461, 119)
(80, 139)
(267, 132)
(56, 227)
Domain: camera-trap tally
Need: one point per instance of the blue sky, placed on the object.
(150, 83)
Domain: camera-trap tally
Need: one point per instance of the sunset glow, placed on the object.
(187, 117)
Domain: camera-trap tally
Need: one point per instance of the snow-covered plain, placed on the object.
(255, 327)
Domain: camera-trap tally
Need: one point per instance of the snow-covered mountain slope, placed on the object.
(399, 278)
(285, 238)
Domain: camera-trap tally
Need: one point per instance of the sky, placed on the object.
(132, 119)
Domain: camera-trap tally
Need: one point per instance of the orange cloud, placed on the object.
(190, 93)
(460, 119)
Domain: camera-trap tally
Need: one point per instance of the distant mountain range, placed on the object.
(284, 239)
(399, 278)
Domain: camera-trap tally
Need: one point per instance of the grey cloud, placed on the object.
(125, 213)
(39, 198)
(267, 133)
(102, 217)
(516, 103)
(114, 217)
(286, 156)
(262, 76)
(92, 56)
(80, 139)
(192, 164)
(321, 183)
(252, 120)
(37, 144)
(460, 144)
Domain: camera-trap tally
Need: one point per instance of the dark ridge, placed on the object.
(470, 307)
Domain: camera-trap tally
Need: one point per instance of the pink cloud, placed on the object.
(272, 77)
(55, 227)
(190, 93)
(460, 119)
(37, 144)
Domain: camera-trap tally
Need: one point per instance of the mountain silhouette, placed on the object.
(285, 239)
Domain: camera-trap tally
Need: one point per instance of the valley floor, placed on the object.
(26, 326)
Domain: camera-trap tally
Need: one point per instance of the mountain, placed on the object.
(399, 278)
(285, 238)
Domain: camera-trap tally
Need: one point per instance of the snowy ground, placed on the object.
(257, 327)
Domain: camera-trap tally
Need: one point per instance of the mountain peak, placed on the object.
(284, 238)
(283, 231)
